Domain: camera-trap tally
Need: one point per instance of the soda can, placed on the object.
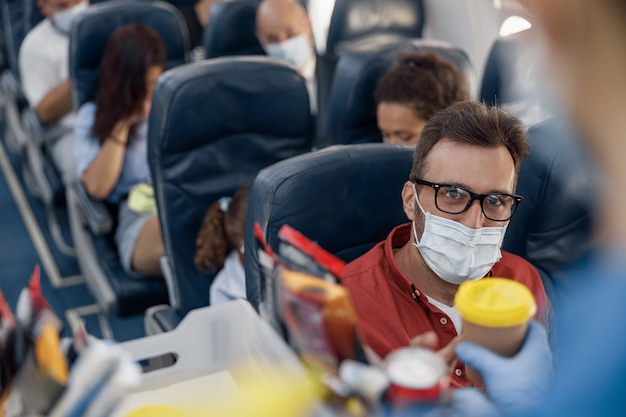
(415, 374)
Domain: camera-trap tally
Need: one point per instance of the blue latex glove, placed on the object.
(512, 384)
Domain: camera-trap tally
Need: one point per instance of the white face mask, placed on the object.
(295, 51)
(63, 20)
(457, 253)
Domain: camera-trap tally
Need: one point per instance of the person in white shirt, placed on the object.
(44, 68)
(219, 246)
(284, 30)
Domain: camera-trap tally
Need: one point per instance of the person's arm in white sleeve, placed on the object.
(50, 99)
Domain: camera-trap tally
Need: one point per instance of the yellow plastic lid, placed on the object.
(156, 410)
(495, 302)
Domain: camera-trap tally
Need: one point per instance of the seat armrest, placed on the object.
(41, 132)
(96, 214)
(172, 287)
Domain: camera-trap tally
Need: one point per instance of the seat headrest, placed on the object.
(357, 19)
(351, 114)
(18, 17)
(232, 30)
(213, 126)
(92, 30)
(345, 198)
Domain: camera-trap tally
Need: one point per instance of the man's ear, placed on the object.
(408, 200)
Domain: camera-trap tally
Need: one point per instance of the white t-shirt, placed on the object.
(44, 63)
(452, 312)
(230, 283)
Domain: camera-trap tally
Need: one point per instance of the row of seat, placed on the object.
(113, 290)
(215, 124)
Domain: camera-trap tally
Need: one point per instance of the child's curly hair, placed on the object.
(221, 231)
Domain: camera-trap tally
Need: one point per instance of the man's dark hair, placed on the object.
(476, 124)
(424, 81)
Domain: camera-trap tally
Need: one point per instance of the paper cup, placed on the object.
(495, 313)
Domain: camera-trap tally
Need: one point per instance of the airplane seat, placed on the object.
(553, 225)
(91, 222)
(512, 79)
(214, 125)
(231, 29)
(493, 84)
(347, 198)
(364, 25)
(351, 109)
(344, 197)
(16, 22)
(24, 134)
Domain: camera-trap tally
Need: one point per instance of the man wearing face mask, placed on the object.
(43, 62)
(459, 198)
(284, 30)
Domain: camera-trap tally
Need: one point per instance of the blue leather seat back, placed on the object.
(91, 33)
(351, 112)
(553, 226)
(89, 37)
(213, 126)
(18, 18)
(510, 70)
(362, 26)
(232, 29)
(345, 198)
(358, 19)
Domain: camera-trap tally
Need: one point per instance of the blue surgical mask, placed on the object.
(295, 51)
(63, 20)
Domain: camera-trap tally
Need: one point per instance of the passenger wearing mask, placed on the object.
(459, 198)
(419, 85)
(219, 246)
(284, 30)
(44, 68)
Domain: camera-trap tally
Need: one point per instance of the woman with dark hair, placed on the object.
(110, 142)
(419, 85)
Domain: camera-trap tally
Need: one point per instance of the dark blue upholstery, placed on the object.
(356, 20)
(508, 74)
(88, 40)
(552, 226)
(92, 31)
(232, 29)
(351, 110)
(364, 25)
(346, 198)
(16, 22)
(213, 126)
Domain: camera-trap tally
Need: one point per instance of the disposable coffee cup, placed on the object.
(495, 313)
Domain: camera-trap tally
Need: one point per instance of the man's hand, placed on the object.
(430, 340)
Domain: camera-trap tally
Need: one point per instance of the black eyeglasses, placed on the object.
(453, 199)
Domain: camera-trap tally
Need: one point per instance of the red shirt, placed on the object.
(392, 310)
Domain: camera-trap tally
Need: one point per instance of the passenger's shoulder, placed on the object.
(519, 269)
(35, 36)
(511, 265)
(371, 259)
(87, 110)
